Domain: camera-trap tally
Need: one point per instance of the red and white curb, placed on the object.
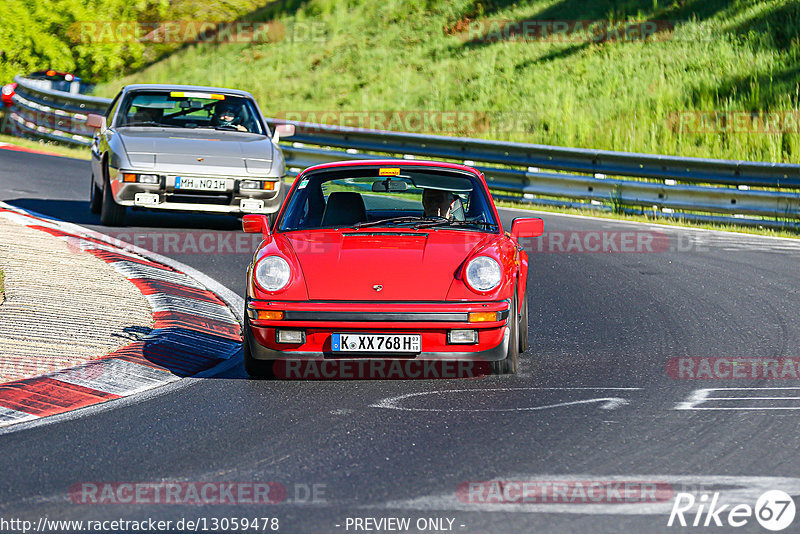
(17, 148)
(195, 331)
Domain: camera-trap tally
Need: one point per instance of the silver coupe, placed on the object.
(185, 148)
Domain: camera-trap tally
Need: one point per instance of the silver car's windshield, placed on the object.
(185, 109)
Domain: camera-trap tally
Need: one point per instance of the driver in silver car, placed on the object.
(227, 115)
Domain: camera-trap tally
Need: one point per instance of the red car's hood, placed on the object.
(413, 265)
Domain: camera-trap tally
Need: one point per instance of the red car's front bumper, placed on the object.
(432, 321)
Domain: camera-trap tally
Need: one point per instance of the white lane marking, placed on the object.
(9, 416)
(609, 403)
(118, 377)
(702, 396)
(733, 490)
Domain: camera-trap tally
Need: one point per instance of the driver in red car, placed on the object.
(441, 203)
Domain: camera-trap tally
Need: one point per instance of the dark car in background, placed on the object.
(54, 80)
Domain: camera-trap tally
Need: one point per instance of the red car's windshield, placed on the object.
(381, 197)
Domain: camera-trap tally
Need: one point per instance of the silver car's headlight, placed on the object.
(272, 273)
(249, 184)
(483, 273)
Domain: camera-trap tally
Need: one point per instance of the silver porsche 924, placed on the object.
(186, 148)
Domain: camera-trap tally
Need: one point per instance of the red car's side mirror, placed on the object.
(525, 228)
(254, 224)
(95, 121)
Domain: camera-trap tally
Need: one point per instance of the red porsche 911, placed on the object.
(387, 259)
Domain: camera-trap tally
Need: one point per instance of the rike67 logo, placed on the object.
(774, 510)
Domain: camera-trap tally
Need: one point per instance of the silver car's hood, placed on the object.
(198, 151)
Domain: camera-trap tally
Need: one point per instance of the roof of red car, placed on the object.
(398, 162)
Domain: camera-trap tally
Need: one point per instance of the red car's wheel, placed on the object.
(523, 326)
(508, 365)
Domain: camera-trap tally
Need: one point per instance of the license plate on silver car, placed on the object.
(376, 343)
(200, 184)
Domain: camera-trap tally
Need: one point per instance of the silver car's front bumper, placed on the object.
(233, 199)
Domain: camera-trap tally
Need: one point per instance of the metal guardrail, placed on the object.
(663, 185)
(54, 115)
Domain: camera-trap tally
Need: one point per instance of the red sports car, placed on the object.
(386, 259)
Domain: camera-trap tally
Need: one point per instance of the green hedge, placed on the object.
(73, 35)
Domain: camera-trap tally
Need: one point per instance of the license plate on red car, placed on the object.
(376, 343)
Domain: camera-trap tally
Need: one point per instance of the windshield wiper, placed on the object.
(404, 219)
(151, 123)
(448, 222)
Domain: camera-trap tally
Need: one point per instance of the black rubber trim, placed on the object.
(375, 316)
(416, 317)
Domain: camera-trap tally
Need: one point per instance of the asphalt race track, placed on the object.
(594, 400)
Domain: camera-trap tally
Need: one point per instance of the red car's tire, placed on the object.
(254, 368)
(508, 366)
(523, 326)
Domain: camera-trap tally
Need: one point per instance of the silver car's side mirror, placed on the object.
(283, 130)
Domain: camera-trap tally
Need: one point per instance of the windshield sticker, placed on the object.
(181, 94)
(303, 184)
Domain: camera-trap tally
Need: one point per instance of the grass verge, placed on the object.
(718, 79)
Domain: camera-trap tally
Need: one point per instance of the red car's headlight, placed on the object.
(483, 273)
(8, 89)
(272, 273)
